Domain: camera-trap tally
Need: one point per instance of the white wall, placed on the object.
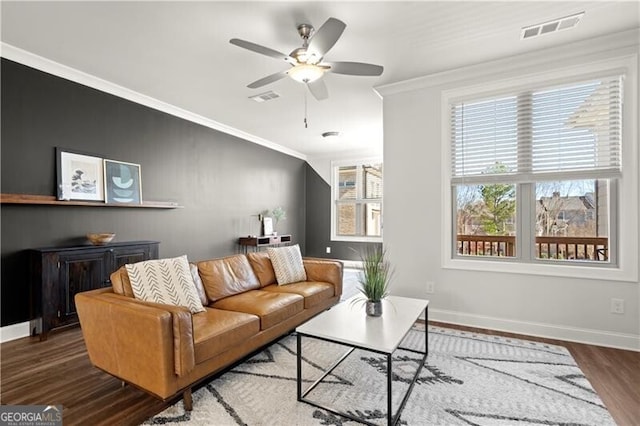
(566, 307)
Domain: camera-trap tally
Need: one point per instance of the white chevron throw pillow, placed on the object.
(287, 264)
(166, 281)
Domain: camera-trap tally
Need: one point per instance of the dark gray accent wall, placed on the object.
(220, 180)
(318, 223)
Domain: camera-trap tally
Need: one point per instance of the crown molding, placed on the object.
(598, 48)
(59, 70)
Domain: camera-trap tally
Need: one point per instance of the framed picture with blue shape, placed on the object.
(122, 182)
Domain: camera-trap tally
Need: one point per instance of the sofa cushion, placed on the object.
(271, 307)
(198, 283)
(263, 268)
(287, 264)
(120, 282)
(313, 292)
(227, 276)
(166, 281)
(216, 331)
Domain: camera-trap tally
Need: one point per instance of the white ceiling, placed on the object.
(179, 53)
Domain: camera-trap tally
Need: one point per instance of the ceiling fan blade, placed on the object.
(261, 49)
(355, 68)
(268, 79)
(324, 39)
(318, 89)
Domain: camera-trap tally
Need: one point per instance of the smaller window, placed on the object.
(357, 201)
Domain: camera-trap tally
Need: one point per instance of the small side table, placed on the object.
(265, 241)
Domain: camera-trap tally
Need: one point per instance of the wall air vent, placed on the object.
(551, 26)
(266, 96)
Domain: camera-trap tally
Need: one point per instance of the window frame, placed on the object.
(623, 218)
(359, 200)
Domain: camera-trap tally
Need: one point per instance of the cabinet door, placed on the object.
(132, 254)
(79, 272)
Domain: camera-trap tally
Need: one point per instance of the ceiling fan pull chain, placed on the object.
(305, 110)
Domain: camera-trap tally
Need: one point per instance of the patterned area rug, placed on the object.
(469, 379)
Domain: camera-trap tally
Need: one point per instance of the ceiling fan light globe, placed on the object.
(305, 73)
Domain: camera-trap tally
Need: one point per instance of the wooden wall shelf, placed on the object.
(51, 200)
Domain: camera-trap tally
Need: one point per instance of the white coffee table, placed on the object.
(348, 324)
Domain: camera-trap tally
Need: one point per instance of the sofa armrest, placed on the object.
(182, 325)
(325, 270)
(141, 342)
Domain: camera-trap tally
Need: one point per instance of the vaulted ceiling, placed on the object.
(179, 53)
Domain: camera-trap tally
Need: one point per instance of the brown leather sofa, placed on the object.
(165, 350)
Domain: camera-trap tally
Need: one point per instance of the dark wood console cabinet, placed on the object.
(58, 273)
(265, 241)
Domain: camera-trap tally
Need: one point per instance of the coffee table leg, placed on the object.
(299, 367)
(389, 398)
(426, 331)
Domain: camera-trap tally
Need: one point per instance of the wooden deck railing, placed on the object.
(487, 245)
(582, 248)
(585, 248)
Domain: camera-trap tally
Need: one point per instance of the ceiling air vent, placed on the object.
(551, 26)
(266, 96)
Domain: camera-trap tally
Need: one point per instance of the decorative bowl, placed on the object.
(101, 238)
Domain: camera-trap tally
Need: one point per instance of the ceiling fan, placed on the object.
(306, 61)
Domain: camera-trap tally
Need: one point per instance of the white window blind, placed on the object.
(544, 134)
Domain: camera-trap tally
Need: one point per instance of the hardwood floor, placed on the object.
(58, 371)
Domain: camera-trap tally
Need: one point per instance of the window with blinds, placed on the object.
(550, 156)
(541, 134)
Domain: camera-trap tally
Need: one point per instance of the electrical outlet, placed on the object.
(431, 287)
(328, 250)
(617, 306)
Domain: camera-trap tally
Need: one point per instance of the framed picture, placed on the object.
(80, 176)
(267, 226)
(122, 183)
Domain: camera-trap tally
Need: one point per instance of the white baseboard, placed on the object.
(550, 331)
(15, 331)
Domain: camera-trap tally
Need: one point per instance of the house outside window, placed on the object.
(534, 173)
(357, 201)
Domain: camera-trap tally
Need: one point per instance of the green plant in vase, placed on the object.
(374, 279)
(277, 215)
